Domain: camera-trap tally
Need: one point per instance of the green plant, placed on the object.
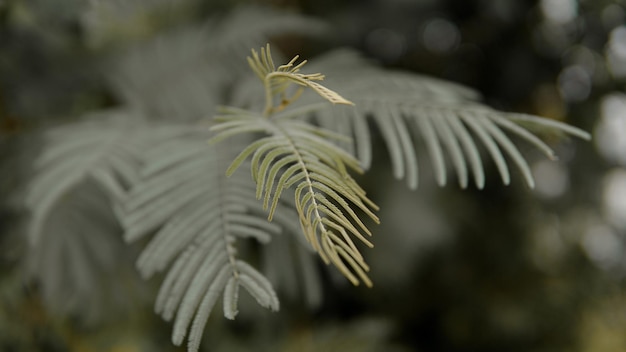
(162, 179)
(301, 155)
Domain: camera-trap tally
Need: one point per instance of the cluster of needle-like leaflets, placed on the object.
(299, 155)
(411, 111)
(198, 218)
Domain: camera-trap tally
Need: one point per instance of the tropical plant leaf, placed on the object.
(407, 108)
(81, 266)
(105, 149)
(75, 239)
(198, 215)
(298, 154)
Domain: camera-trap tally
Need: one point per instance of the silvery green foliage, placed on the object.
(407, 109)
(183, 74)
(112, 152)
(105, 148)
(199, 216)
(296, 155)
(164, 182)
(77, 254)
(81, 264)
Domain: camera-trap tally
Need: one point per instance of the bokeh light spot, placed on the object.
(603, 246)
(614, 197)
(610, 134)
(385, 43)
(575, 83)
(551, 178)
(440, 36)
(559, 11)
(616, 52)
(612, 16)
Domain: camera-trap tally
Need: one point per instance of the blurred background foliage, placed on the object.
(502, 269)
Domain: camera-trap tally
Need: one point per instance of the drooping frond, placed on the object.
(198, 215)
(76, 250)
(82, 267)
(407, 108)
(183, 73)
(447, 118)
(299, 155)
(105, 149)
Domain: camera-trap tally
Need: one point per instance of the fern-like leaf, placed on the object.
(446, 117)
(76, 251)
(198, 215)
(105, 149)
(407, 107)
(299, 155)
(82, 267)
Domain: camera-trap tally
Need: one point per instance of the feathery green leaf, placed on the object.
(408, 108)
(325, 194)
(198, 215)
